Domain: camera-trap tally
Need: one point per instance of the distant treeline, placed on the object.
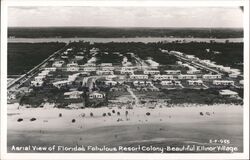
(103, 32)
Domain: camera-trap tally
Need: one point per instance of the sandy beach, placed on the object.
(175, 126)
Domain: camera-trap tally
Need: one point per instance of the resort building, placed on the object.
(241, 82)
(189, 56)
(73, 69)
(43, 73)
(96, 95)
(233, 75)
(176, 53)
(51, 69)
(223, 82)
(163, 77)
(126, 71)
(37, 83)
(78, 57)
(108, 68)
(142, 83)
(110, 83)
(187, 76)
(72, 64)
(60, 84)
(64, 57)
(195, 82)
(73, 77)
(179, 62)
(73, 95)
(152, 72)
(128, 68)
(138, 76)
(58, 64)
(89, 69)
(106, 65)
(89, 65)
(172, 72)
(100, 72)
(211, 76)
(170, 83)
(228, 93)
(39, 78)
(195, 71)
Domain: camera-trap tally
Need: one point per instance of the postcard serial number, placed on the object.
(220, 141)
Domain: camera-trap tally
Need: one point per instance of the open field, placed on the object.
(175, 126)
(24, 56)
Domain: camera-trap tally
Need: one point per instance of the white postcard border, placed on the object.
(186, 3)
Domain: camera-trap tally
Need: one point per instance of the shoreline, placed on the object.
(175, 126)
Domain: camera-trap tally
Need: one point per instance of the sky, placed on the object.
(228, 17)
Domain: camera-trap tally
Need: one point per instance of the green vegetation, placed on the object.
(24, 56)
(198, 96)
(141, 50)
(101, 32)
(227, 54)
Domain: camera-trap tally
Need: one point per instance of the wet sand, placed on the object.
(176, 126)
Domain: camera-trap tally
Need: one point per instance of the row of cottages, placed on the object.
(73, 95)
(96, 95)
(195, 82)
(219, 67)
(172, 72)
(101, 72)
(72, 67)
(163, 77)
(58, 64)
(187, 76)
(170, 83)
(138, 76)
(142, 83)
(223, 82)
(212, 76)
(151, 72)
(39, 79)
(60, 84)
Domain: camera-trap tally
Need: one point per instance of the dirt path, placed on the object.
(133, 95)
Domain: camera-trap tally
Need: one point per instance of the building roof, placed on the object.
(227, 92)
(72, 93)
